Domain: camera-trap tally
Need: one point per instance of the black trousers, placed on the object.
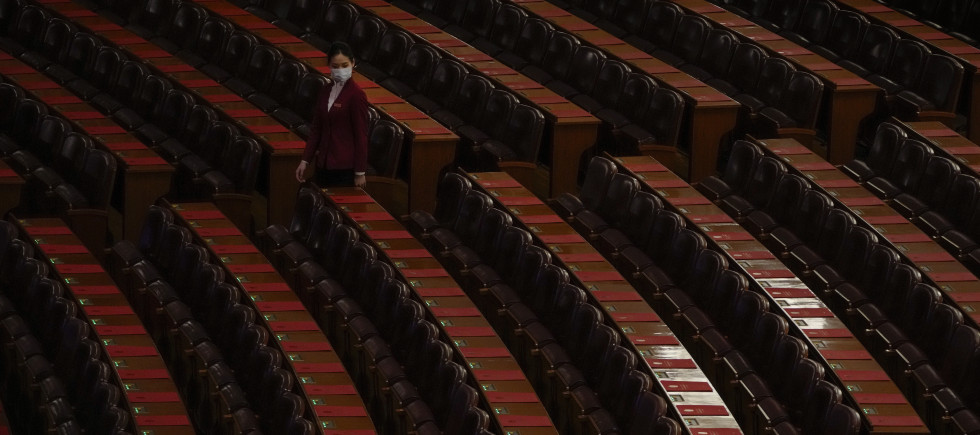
(334, 177)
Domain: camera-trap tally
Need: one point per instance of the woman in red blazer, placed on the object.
(337, 145)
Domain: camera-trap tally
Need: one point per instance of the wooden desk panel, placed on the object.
(11, 185)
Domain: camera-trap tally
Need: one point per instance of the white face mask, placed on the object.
(341, 74)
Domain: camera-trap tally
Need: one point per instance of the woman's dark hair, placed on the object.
(340, 48)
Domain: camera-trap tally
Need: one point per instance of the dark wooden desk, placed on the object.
(848, 98)
(503, 386)
(11, 185)
(277, 142)
(570, 131)
(939, 42)
(709, 116)
(142, 376)
(664, 357)
(865, 385)
(141, 175)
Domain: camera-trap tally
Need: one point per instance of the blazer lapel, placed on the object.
(343, 96)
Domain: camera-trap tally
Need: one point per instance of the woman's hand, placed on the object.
(301, 171)
(360, 181)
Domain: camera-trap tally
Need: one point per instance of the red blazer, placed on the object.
(338, 137)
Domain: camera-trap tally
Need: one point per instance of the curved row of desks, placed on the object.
(863, 381)
(141, 175)
(966, 54)
(326, 386)
(142, 375)
(938, 267)
(502, 385)
(677, 376)
(710, 116)
(848, 98)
